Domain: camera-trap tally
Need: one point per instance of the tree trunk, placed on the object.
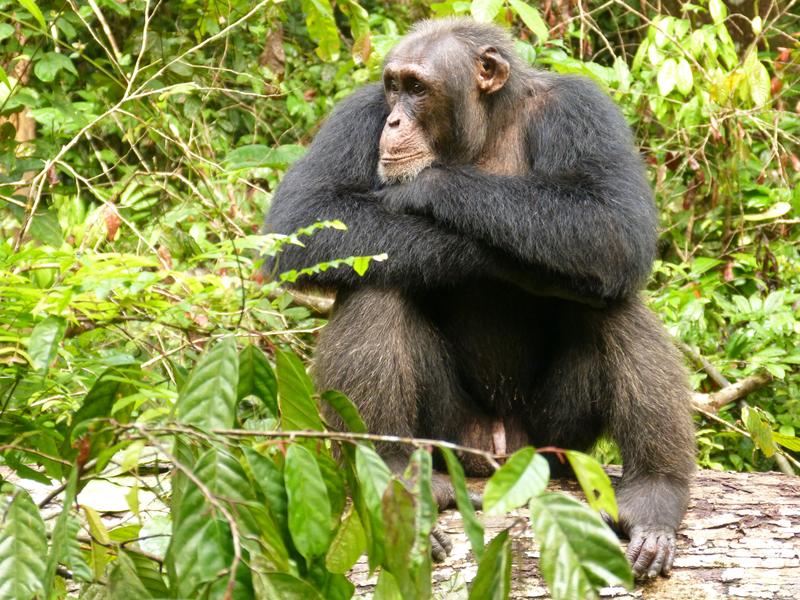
(740, 539)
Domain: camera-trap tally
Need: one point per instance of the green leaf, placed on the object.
(256, 378)
(524, 476)
(773, 212)
(149, 573)
(667, 76)
(387, 587)
(595, 483)
(472, 526)
(348, 544)
(23, 546)
(579, 553)
(399, 515)
(46, 228)
(208, 398)
(32, 8)
(359, 28)
(758, 79)
(6, 31)
(321, 26)
(373, 477)
(309, 505)
(202, 546)
(531, 17)
(787, 441)
(760, 430)
(269, 478)
(718, 11)
(44, 341)
(60, 531)
(287, 587)
(99, 401)
(123, 580)
(298, 409)
(493, 580)
(420, 472)
(48, 66)
(485, 11)
(73, 555)
(684, 80)
(346, 410)
(258, 156)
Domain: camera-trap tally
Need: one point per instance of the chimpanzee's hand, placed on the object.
(414, 197)
(651, 551)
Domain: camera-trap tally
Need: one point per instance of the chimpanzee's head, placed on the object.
(440, 80)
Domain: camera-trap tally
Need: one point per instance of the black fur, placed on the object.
(506, 297)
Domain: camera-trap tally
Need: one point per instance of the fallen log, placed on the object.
(740, 539)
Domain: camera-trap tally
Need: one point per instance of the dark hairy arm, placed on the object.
(584, 217)
(337, 179)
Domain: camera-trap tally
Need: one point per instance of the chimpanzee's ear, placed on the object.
(492, 70)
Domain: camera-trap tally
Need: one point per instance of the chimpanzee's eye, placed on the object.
(392, 85)
(417, 88)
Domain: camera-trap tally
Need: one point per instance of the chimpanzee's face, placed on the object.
(434, 91)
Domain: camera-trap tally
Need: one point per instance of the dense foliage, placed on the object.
(139, 145)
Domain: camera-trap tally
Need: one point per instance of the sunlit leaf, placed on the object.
(524, 475)
(44, 341)
(595, 483)
(773, 212)
(485, 10)
(579, 553)
(667, 76)
(33, 8)
(322, 28)
(684, 80)
(531, 17)
(760, 431)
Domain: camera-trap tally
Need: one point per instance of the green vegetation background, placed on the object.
(140, 143)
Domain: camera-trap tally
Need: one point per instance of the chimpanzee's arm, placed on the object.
(336, 179)
(585, 214)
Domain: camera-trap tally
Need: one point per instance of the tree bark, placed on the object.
(740, 539)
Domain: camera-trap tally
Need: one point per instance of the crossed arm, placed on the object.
(581, 223)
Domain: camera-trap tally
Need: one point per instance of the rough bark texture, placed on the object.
(740, 539)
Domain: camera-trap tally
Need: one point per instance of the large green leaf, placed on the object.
(48, 66)
(269, 478)
(373, 477)
(208, 398)
(309, 506)
(44, 341)
(201, 546)
(346, 410)
(287, 587)
(348, 544)
(322, 28)
(420, 472)
(23, 546)
(58, 543)
(33, 8)
(531, 17)
(493, 580)
(579, 553)
(124, 581)
(298, 409)
(595, 483)
(256, 378)
(524, 476)
(485, 11)
(398, 517)
(472, 526)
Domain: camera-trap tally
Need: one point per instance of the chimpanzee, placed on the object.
(519, 227)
